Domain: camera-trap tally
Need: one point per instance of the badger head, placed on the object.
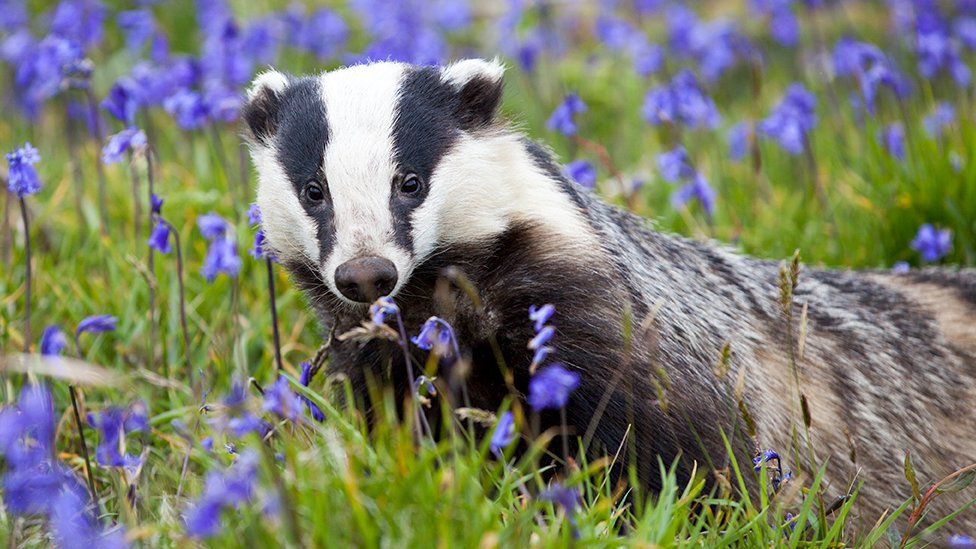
(367, 171)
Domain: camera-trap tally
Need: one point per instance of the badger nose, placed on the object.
(366, 279)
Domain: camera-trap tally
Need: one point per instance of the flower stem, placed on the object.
(274, 315)
(100, 169)
(84, 445)
(183, 325)
(417, 426)
(151, 261)
(27, 295)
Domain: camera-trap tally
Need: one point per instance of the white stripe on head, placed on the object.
(290, 231)
(360, 105)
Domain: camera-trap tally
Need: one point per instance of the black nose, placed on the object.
(366, 279)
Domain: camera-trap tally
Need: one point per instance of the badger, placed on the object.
(377, 179)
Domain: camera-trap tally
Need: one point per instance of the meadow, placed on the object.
(140, 340)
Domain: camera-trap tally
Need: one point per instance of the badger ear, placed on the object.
(479, 85)
(260, 114)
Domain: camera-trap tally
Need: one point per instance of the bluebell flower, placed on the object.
(280, 399)
(53, 341)
(111, 446)
(766, 457)
(932, 243)
(893, 140)
(138, 26)
(437, 335)
(262, 37)
(870, 67)
(130, 139)
(792, 120)
(323, 34)
(96, 324)
(212, 226)
(14, 15)
(646, 58)
(221, 258)
(936, 49)
(42, 71)
(960, 541)
(33, 488)
(305, 379)
(699, 189)
(682, 101)
(254, 214)
(226, 489)
(964, 29)
(383, 308)
(943, 116)
(238, 419)
(155, 204)
(27, 428)
(74, 524)
(187, 108)
(615, 33)
(159, 238)
(900, 267)
(123, 100)
(81, 21)
(582, 172)
(716, 45)
(222, 104)
(567, 498)
(503, 435)
(738, 138)
(22, 178)
(540, 315)
(563, 118)
(551, 386)
(675, 165)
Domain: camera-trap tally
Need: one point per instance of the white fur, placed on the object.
(291, 232)
(269, 79)
(461, 72)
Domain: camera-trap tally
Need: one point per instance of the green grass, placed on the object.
(347, 485)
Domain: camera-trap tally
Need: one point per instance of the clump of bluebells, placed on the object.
(222, 255)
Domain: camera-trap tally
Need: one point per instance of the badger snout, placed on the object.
(366, 279)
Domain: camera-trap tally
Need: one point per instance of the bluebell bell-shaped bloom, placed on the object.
(159, 238)
(261, 39)
(74, 524)
(901, 267)
(226, 489)
(682, 101)
(280, 399)
(738, 138)
(254, 214)
(131, 139)
(323, 33)
(936, 49)
(540, 315)
(870, 67)
(615, 33)
(32, 488)
(305, 379)
(14, 15)
(503, 434)
(111, 446)
(407, 31)
(221, 258)
(22, 178)
(936, 122)
(563, 119)
(933, 244)
(41, 73)
(155, 204)
(222, 104)
(716, 45)
(646, 58)
(792, 120)
(53, 341)
(582, 172)
(96, 324)
(960, 541)
(567, 498)
(699, 189)
(81, 21)
(123, 100)
(766, 457)
(675, 165)
(551, 386)
(893, 140)
(437, 335)
(964, 28)
(212, 226)
(188, 108)
(27, 428)
(383, 308)
(138, 26)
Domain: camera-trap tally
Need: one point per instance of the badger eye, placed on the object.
(313, 191)
(410, 184)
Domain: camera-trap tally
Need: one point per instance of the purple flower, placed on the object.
(675, 165)
(221, 258)
(901, 267)
(438, 335)
(323, 34)
(647, 58)
(137, 26)
(540, 315)
(567, 498)
(936, 49)
(582, 172)
(381, 309)
(159, 238)
(738, 138)
(222, 489)
(932, 243)
(53, 341)
(699, 189)
(254, 215)
(715, 45)
(765, 457)
(503, 435)
(551, 386)
(238, 420)
(305, 379)
(893, 140)
(959, 541)
(280, 399)
(681, 102)
(81, 21)
(965, 31)
(188, 108)
(123, 100)
(935, 123)
(43, 67)
(109, 423)
(27, 428)
(212, 226)
(155, 204)
(870, 67)
(22, 178)
(222, 104)
(75, 525)
(563, 119)
(792, 119)
(129, 139)
(96, 324)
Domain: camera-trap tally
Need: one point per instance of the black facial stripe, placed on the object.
(303, 134)
(424, 129)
